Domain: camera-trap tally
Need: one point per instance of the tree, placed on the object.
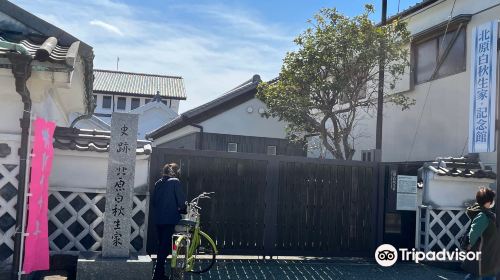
(333, 74)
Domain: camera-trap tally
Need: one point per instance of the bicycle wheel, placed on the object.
(177, 271)
(204, 254)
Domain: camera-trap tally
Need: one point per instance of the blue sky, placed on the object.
(215, 45)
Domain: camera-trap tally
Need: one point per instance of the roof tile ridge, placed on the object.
(136, 73)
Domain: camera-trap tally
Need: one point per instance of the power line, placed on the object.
(430, 84)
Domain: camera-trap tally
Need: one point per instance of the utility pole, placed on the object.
(380, 99)
(378, 146)
(497, 148)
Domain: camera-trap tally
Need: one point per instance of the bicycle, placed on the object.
(192, 249)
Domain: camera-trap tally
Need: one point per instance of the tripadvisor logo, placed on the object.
(386, 255)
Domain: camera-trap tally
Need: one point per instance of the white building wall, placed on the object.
(173, 104)
(11, 106)
(154, 118)
(443, 129)
(176, 134)
(238, 121)
(74, 169)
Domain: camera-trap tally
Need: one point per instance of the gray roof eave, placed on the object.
(412, 9)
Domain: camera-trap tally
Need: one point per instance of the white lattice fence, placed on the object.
(8, 201)
(76, 221)
(439, 229)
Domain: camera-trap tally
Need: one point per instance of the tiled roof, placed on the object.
(467, 167)
(137, 83)
(412, 9)
(46, 49)
(87, 140)
(235, 96)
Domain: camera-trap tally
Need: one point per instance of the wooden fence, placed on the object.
(278, 205)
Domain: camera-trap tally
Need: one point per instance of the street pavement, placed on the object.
(324, 269)
(311, 268)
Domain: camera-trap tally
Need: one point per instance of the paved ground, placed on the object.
(335, 269)
(323, 269)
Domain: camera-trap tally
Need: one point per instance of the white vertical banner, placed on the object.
(483, 88)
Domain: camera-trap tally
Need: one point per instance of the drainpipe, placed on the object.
(88, 82)
(200, 127)
(200, 145)
(21, 69)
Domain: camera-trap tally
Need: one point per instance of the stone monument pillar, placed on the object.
(120, 185)
(116, 261)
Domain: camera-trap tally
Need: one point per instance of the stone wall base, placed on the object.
(94, 266)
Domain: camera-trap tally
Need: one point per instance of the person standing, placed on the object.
(168, 202)
(483, 237)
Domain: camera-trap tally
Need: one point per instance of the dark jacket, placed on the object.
(483, 237)
(168, 201)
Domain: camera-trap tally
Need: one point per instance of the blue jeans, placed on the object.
(473, 277)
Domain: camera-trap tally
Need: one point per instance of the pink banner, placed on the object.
(36, 250)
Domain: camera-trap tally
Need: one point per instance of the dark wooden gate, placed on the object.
(278, 205)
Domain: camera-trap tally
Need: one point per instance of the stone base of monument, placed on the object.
(94, 266)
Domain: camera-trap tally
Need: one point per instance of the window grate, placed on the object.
(271, 150)
(232, 147)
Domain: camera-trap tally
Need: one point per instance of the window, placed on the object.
(122, 103)
(367, 155)
(106, 102)
(428, 54)
(165, 102)
(147, 100)
(271, 150)
(136, 102)
(232, 147)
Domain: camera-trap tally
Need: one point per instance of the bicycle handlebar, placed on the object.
(202, 195)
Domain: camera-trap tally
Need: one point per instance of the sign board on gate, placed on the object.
(407, 193)
(483, 88)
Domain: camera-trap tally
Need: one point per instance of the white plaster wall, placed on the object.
(438, 189)
(154, 116)
(54, 97)
(443, 129)
(174, 135)
(174, 105)
(11, 107)
(364, 133)
(151, 116)
(68, 89)
(238, 121)
(45, 102)
(14, 141)
(170, 103)
(72, 169)
(152, 119)
(50, 109)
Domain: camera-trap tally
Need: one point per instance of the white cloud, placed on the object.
(109, 27)
(240, 20)
(212, 58)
